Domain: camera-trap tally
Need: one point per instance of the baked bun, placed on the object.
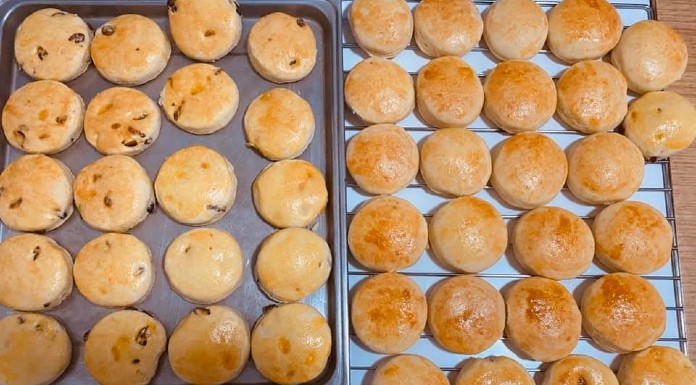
(382, 28)
(657, 365)
(408, 369)
(515, 29)
(493, 370)
(579, 369)
(447, 27)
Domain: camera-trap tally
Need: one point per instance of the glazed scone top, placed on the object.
(515, 29)
(493, 370)
(657, 365)
(447, 27)
(579, 369)
(381, 27)
(407, 369)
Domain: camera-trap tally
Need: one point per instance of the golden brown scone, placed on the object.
(519, 96)
(387, 234)
(382, 28)
(592, 97)
(553, 242)
(657, 365)
(468, 235)
(623, 313)
(493, 370)
(583, 29)
(604, 168)
(579, 369)
(515, 29)
(651, 55)
(379, 91)
(382, 159)
(543, 320)
(388, 313)
(408, 369)
(466, 314)
(447, 27)
(448, 93)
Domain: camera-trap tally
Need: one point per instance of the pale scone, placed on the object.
(114, 270)
(480, 238)
(34, 349)
(43, 117)
(196, 186)
(292, 264)
(205, 30)
(379, 91)
(53, 45)
(604, 168)
(209, 346)
(114, 193)
(124, 347)
(493, 370)
(282, 48)
(592, 97)
(623, 313)
(387, 234)
(200, 98)
(290, 193)
(583, 29)
(515, 29)
(382, 28)
(661, 124)
(291, 344)
(408, 369)
(455, 161)
(543, 319)
(36, 193)
(388, 313)
(651, 55)
(519, 96)
(279, 124)
(122, 121)
(204, 265)
(446, 27)
(579, 369)
(658, 365)
(633, 237)
(553, 242)
(466, 314)
(35, 273)
(448, 93)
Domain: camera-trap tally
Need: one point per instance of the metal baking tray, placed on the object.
(655, 190)
(158, 230)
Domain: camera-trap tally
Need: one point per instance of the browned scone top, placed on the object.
(657, 365)
(383, 28)
(493, 370)
(579, 369)
(447, 27)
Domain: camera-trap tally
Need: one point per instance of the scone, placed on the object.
(36, 193)
(583, 29)
(447, 27)
(493, 370)
(661, 124)
(196, 186)
(592, 97)
(455, 161)
(279, 124)
(448, 93)
(408, 369)
(200, 98)
(282, 48)
(382, 28)
(604, 168)
(34, 349)
(209, 346)
(388, 313)
(204, 265)
(43, 117)
(515, 29)
(379, 91)
(292, 264)
(387, 234)
(114, 193)
(130, 50)
(205, 30)
(53, 45)
(480, 238)
(122, 121)
(290, 193)
(382, 159)
(529, 170)
(519, 96)
(658, 365)
(553, 242)
(291, 344)
(35, 273)
(623, 313)
(543, 320)
(124, 347)
(579, 369)
(114, 270)
(633, 237)
(466, 315)
(651, 55)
